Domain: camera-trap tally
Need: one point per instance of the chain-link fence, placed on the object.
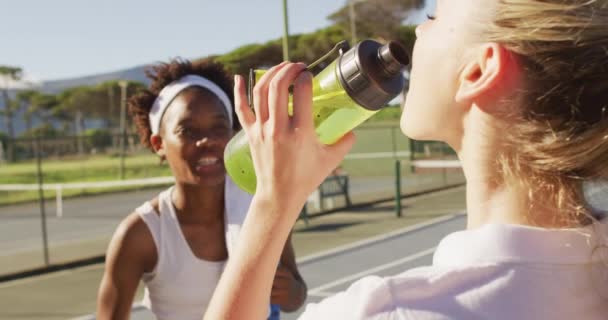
(62, 198)
(383, 163)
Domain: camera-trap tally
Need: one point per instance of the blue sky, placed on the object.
(67, 38)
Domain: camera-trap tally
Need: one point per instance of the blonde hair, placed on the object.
(561, 136)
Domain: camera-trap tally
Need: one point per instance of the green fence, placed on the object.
(36, 233)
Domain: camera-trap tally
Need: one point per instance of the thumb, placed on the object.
(337, 151)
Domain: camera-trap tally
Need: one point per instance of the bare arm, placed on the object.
(288, 289)
(290, 163)
(127, 259)
(245, 286)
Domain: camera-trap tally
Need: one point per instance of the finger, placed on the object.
(276, 299)
(260, 93)
(277, 296)
(242, 108)
(278, 95)
(302, 102)
(283, 279)
(282, 272)
(278, 288)
(337, 151)
(280, 284)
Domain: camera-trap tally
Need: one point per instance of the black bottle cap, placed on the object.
(372, 73)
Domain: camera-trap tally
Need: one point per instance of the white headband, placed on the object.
(169, 92)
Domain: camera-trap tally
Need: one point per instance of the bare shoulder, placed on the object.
(133, 230)
(130, 255)
(133, 241)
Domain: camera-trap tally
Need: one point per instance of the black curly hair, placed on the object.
(165, 73)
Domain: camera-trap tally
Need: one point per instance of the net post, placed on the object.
(412, 158)
(45, 246)
(398, 187)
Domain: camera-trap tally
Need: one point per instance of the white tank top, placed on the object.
(181, 285)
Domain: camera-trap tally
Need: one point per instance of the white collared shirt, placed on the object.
(494, 272)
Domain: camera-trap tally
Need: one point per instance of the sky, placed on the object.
(61, 39)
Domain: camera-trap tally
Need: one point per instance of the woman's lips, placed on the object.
(208, 164)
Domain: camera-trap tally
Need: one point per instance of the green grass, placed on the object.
(91, 169)
(390, 113)
(373, 137)
(380, 138)
(95, 168)
(372, 168)
(376, 136)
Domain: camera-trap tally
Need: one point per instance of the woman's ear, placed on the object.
(485, 73)
(157, 145)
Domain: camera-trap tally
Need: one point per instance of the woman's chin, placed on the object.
(208, 179)
(414, 130)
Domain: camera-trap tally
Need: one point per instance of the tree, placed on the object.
(376, 18)
(250, 56)
(3, 143)
(8, 74)
(43, 130)
(106, 102)
(304, 47)
(311, 46)
(42, 105)
(70, 106)
(407, 36)
(34, 103)
(76, 104)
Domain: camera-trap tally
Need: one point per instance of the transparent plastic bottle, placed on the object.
(347, 92)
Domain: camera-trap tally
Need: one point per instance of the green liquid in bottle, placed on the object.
(334, 115)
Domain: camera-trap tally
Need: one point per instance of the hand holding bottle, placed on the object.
(345, 93)
(289, 160)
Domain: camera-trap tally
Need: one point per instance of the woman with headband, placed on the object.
(179, 242)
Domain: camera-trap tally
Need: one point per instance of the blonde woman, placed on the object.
(523, 96)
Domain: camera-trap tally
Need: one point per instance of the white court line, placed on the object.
(377, 155)
(437, 164)
(299, 261)
(321, 293)
(84, 185)
(379, 268)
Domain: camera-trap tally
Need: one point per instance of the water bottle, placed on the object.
(347, 92)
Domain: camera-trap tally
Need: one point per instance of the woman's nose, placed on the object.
(203, 141)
